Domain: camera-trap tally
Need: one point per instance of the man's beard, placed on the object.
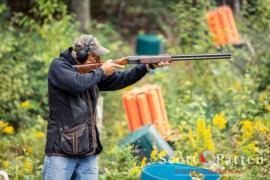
(82, 61)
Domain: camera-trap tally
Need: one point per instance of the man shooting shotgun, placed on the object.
(73, 140)
(153, 60)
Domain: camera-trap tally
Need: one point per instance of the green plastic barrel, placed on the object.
(148, 45)
(144, 140)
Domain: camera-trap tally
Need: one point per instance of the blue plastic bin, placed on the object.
(174, 171)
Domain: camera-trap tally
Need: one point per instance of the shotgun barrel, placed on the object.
(151, 59)
(201, 57)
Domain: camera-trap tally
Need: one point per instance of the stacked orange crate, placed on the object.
(132, 112)
(215, 28)
(146, 106)
(227, 10)
(222, 25)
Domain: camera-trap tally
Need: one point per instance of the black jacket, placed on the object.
(71, 93)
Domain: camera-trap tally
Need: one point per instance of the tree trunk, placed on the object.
(82, 10)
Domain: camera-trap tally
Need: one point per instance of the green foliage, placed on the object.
(118, 164)
(257, 13)
(24, 62)
(49, 9)
(21, 155)
(192, 90)
(191, 27)
(131, 17)
(256, 16)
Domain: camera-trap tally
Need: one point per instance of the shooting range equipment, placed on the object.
(148, 45)
(144, 140)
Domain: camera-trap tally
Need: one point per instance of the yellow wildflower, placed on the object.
(250, 148)
(247, 128)
(28, 166)
(162, 154)
(260, 127)
(188, 83)
(237, 143)
(243, 97)
(25, 104)
(8, 130)
(39, 134)
(3, 124)
(154, 154)
(263, 96)
(174, 159)
(6, 164)
(143, 161)
(205, 134)
(207, 138)
(247, 125)
(29, 150)
(267, 107)
(135, 171)
(200, 127)
(237, 86)
(220, 121)
(128, 88)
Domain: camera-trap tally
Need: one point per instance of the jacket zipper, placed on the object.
(74, 142)
(92, 115)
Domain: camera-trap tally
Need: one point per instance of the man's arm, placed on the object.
(119, 80)
(65, 77)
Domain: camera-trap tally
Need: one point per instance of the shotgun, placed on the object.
(150, 59)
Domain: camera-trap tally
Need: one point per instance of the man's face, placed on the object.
(92, 58)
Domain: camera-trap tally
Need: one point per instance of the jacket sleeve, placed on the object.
(119, 80)
(65, 77)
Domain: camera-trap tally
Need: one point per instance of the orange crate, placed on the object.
(143, 107)
(146, 106)
(132, 112)
(222, 25)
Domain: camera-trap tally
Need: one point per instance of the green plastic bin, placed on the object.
(148, 45)
(144, 140)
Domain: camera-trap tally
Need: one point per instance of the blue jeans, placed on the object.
(65, 168)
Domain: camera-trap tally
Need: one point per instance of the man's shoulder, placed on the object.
(59, 61)
(58, 64)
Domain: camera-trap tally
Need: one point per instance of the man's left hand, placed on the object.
(161, 64)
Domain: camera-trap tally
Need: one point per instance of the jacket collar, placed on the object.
(66, 54)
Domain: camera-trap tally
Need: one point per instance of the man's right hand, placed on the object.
(109, 67)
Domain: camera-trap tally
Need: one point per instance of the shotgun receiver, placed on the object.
(84, 68)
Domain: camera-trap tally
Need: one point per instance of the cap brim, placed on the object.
(101, 51)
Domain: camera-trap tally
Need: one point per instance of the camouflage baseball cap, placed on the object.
(94, 46)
